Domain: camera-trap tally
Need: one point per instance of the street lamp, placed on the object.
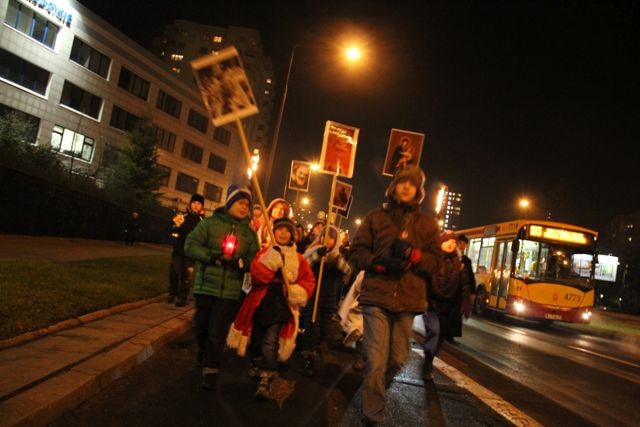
(524, 203)
(358, 222)
(305, 201)
(352, 53)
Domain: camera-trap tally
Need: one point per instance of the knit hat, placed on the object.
(274, 202)
(235, 193)
(197, 198)
(408, 173)
(287, 223)
(463, 238)
(447, 235)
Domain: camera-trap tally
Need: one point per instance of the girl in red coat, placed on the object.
(268, 319)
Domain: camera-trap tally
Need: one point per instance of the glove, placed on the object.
(272, 259)
(389, 265)
(322, 251)
(297, 295)
(401, 249)
(416, 256)
(233, 262)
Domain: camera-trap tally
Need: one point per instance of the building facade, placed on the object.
(184, 41)
(448, 208)
(85, 85)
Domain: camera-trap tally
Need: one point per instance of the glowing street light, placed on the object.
(524, 203)
(305, 201)
(315, 167)
(358, 221)
(353, 53)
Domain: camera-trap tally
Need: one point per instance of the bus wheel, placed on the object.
(480, 304)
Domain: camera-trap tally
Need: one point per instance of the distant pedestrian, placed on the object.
(336, 272)
(312, 235)
(223, 246)
(181, 269)
(268, 319)
(396, 246)
(132, 229)
(448, 294)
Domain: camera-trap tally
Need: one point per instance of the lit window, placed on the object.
(266, 92)
(217, 39)
(176, 70)
(176, 57)
(268, 81)
(630, 238)
(72, 143)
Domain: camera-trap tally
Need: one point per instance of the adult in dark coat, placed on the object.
(469, 278)
(396, 246)
(181, 269)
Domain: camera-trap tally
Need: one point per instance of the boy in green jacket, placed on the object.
(223, 247)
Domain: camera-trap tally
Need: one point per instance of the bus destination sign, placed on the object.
(558, 234)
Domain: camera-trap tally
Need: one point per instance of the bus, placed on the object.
(534, 269)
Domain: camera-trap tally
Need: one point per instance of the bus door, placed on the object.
(505, 274)
(495, 276)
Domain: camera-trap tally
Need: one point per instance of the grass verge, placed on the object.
(35, 294)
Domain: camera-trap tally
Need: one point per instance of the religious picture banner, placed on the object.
(341, 195)
(299, 175)
(224, 86)
(345, 212)
(404, 149)
(339, 147)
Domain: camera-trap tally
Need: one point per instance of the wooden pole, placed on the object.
(256, 186)
(326, 234)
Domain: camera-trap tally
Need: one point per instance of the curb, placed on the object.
(77, 321)
(45, 402)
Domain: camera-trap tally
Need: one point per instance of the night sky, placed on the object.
(516, 98)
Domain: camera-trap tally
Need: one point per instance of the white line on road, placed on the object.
(489, 398)
(615, 359)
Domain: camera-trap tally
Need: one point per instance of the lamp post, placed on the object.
(352, 54)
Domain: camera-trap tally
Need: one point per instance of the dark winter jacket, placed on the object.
(179, 233)
(215, 277)
(400, 292)
(449, 287)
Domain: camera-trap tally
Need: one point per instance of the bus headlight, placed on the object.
(519, 306)
(586, 315)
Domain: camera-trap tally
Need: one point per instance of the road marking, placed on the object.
(489, 398)
(615, 359)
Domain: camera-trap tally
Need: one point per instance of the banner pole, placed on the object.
(256, 186)
(326, 234)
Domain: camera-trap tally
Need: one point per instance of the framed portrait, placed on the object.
(339, 148)
(345, 212)
(404, 149)
(224, 86)
(341, 195)
(299, 175)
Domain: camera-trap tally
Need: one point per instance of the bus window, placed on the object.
(486, 253)
(473, 250)
(527, 259)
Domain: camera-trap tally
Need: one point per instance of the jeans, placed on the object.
(386, 346)
(212, 321)
(436, 327)
(264, 345)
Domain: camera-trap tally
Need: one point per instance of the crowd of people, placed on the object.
(256, 281)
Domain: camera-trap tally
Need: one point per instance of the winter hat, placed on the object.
(447, 235)
(410, 173)
(274, 202)
(285, 222)
(235, 193)
(463, 238)
(197, 198)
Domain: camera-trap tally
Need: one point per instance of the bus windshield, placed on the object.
(552, 262)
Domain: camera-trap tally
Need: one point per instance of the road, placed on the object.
(595, 378)
(165, 391)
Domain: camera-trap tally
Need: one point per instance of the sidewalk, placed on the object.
(42, 379)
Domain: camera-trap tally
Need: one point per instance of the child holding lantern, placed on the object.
(223, 247)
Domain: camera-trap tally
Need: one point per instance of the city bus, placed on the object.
(534, 269)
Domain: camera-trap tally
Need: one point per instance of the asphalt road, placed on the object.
(165, 391)
(556, 375)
